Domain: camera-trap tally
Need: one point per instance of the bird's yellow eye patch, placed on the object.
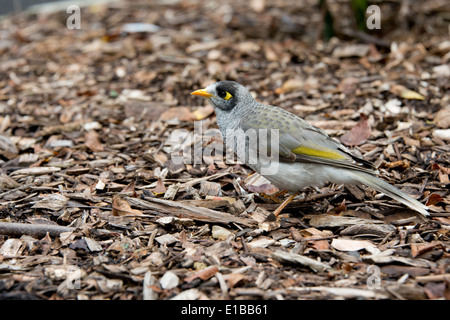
(228, 96)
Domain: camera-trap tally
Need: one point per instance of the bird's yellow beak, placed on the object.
(203, 93)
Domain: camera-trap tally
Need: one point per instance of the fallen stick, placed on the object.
(434, 277)
(182, 210)
(35, 230)
(16, 229)
(290, 257)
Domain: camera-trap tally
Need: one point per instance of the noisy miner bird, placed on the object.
(304, 155)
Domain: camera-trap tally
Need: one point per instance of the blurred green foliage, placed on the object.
(359, 8)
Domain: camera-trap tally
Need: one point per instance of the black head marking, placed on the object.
(221, 93)
(226, 86)
(231, 87)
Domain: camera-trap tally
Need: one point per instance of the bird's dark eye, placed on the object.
(224, 94)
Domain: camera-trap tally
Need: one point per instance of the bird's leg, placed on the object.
(274, 197)
(284, 204)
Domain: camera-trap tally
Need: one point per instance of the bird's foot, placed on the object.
(274, 197)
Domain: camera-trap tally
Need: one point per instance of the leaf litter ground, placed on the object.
(93, 205)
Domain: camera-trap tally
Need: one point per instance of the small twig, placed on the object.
(165, 263)
(319, 238)
(17, 229)
(434, 278)
(34, 230)
(395, 294)
(388, 236)
(17, 201)
(397, 152)
(152, 238)
(424, 184)
(23, 187)
(244, 245)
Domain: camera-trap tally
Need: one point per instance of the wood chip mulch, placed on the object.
(93, 205)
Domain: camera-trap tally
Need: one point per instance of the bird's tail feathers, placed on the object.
(393, 192)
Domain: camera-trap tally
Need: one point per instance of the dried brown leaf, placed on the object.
(179, 113)
(351, 245)
(442, 118)
(160, 189)
(358, 134)
(348, 85)
(121, 207)
(202, 112)
(434, 199)
(403, 92)
(203, 274)
(92, 141)
(438, 290)
(290, 86)
(398, 271)
(233, 279)
(419, 248)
